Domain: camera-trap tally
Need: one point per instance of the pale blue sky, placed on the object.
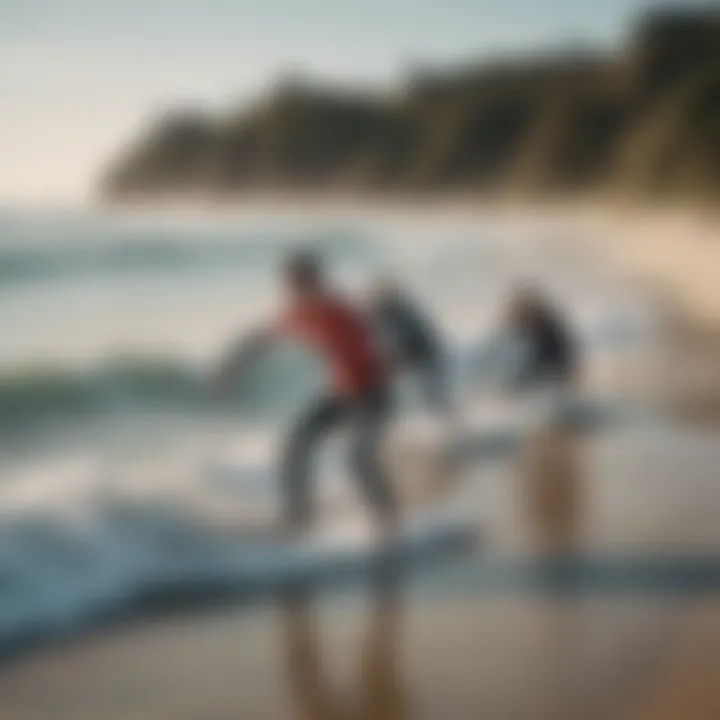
(78, 76)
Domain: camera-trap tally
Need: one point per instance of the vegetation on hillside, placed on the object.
(645, 123)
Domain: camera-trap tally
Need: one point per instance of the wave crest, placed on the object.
(145, 384)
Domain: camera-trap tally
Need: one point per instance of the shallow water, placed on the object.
(115, 457)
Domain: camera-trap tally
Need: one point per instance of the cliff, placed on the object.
(645, 123)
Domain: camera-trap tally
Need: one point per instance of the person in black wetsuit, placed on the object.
(414, 343)
(552, 355)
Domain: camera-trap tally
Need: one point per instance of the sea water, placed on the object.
(123, 472)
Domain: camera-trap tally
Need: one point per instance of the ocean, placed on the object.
(123, 474)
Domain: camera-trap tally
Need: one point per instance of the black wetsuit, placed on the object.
(365, 417)
(553, 354)
(415, 343)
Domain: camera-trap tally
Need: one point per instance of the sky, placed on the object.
(79, 77)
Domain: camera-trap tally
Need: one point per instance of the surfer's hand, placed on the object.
(243, 353)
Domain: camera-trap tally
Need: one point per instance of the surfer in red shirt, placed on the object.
(358, 396)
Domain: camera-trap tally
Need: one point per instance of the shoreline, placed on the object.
(675, 247)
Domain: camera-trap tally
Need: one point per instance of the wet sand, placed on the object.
(491, 657)
(632, 632)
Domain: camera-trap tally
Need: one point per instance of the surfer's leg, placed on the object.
(304, 438)
(369, 422)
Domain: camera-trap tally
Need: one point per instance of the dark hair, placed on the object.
(303, 267)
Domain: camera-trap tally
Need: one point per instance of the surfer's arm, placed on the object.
(242, 353)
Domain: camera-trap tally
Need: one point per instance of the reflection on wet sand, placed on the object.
(551, 508)
(552, 492)
(380, 694)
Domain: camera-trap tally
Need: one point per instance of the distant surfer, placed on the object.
(412, 341)
(358, 396)
(550, 354)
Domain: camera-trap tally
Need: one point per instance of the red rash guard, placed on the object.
(340, 335)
